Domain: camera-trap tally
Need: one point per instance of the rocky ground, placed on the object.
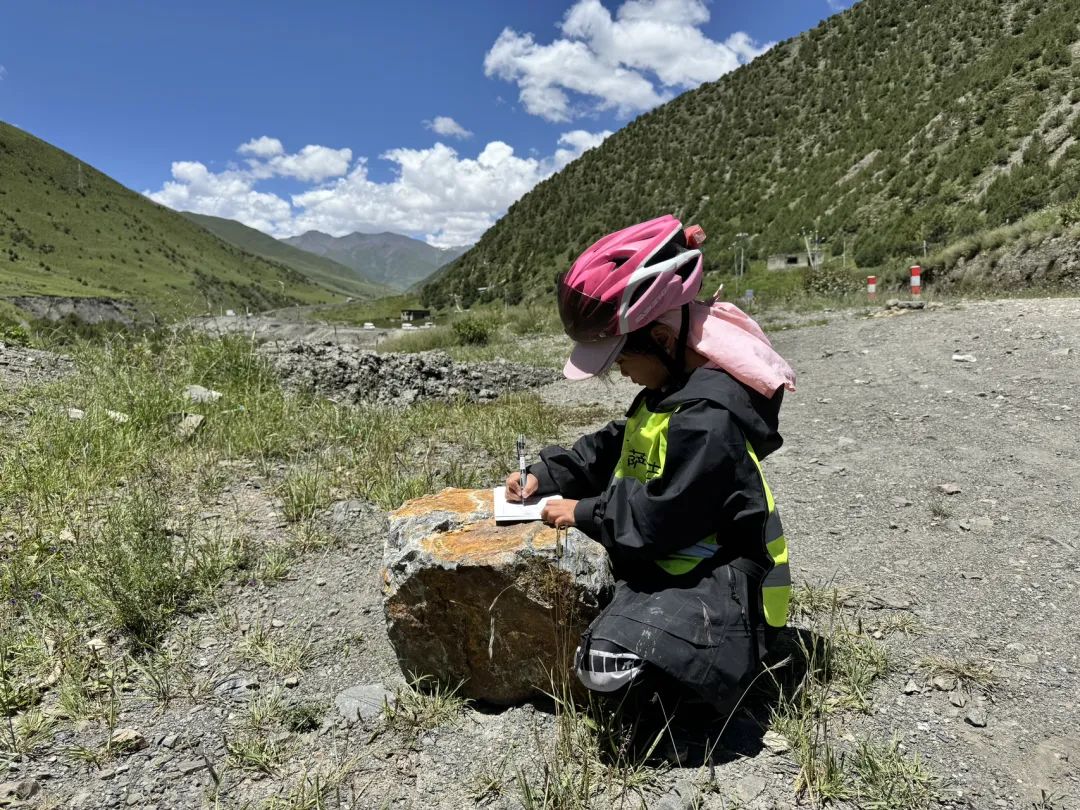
(929, 470)
(348, 374)
(283, 325)
(20, 366)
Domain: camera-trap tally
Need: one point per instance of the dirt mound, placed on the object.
(350, 375)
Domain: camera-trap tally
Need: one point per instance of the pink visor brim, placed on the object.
(589, 359)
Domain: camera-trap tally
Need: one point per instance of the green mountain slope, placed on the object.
(67, 229)
(328, 273)
(895, 122)
(389, 258)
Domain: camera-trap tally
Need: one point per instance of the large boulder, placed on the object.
(496, 608)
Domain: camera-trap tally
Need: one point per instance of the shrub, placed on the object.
(420, 340)
(12, 334)
(472, 331)
(830, 280)
(1070, 215)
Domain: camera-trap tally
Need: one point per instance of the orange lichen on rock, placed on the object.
(486, 542)
(452, 499)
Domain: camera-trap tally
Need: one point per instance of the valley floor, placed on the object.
(928, 477)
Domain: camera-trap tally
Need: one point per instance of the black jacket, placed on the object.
(709, 482)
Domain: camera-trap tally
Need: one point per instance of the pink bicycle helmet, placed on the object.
(624, 282)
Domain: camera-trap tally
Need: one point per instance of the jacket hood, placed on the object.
(758, 416)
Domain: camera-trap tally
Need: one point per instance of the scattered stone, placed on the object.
(320, 581)
(292, 682)
(170, 740)
(190, 766)
(776, 743)
(22, 790)
(118, 417)
(236, 687)
(964, 358)
(896, 303)
(196, 393)
(1028, 659)
(943, 683)
(277, 623)
(900, 502)
(127, 740)
(911, 688)
(748, 788)
(949, 489)
(187, 424)
(976, 716)
(685, 795)
(844, 442)
(829, 469)
(466, 599)
(363, 703)
(75, 414)
(982, 523)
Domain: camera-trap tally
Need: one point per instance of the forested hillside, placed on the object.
(895, 123)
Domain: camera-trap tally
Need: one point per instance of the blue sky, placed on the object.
(422, 118)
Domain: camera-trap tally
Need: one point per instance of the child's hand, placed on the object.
(513, 486)
(559, 513)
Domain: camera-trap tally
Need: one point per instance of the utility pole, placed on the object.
(805, 234)
(742, 252)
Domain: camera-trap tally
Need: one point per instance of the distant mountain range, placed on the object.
(328, 273)
(386, 258)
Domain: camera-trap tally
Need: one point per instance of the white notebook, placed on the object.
(512, 510)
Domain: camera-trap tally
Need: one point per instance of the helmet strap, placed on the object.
(676, 365)
(680, 347)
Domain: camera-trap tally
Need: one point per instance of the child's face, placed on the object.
(645, 370)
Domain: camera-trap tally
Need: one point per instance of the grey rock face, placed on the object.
(496, 608)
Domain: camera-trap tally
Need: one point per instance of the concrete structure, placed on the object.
(790, 261)
(415, 314)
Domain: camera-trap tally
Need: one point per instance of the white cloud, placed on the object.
(263, 147)
(230, 194)
(609, 63)
(312, 163)
(448, 198)
(579, 141)
(447, 127)
(3, 72)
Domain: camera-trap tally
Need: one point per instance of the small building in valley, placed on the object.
(410, 315)
(791, 261)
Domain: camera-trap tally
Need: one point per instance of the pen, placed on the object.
(521, 464)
